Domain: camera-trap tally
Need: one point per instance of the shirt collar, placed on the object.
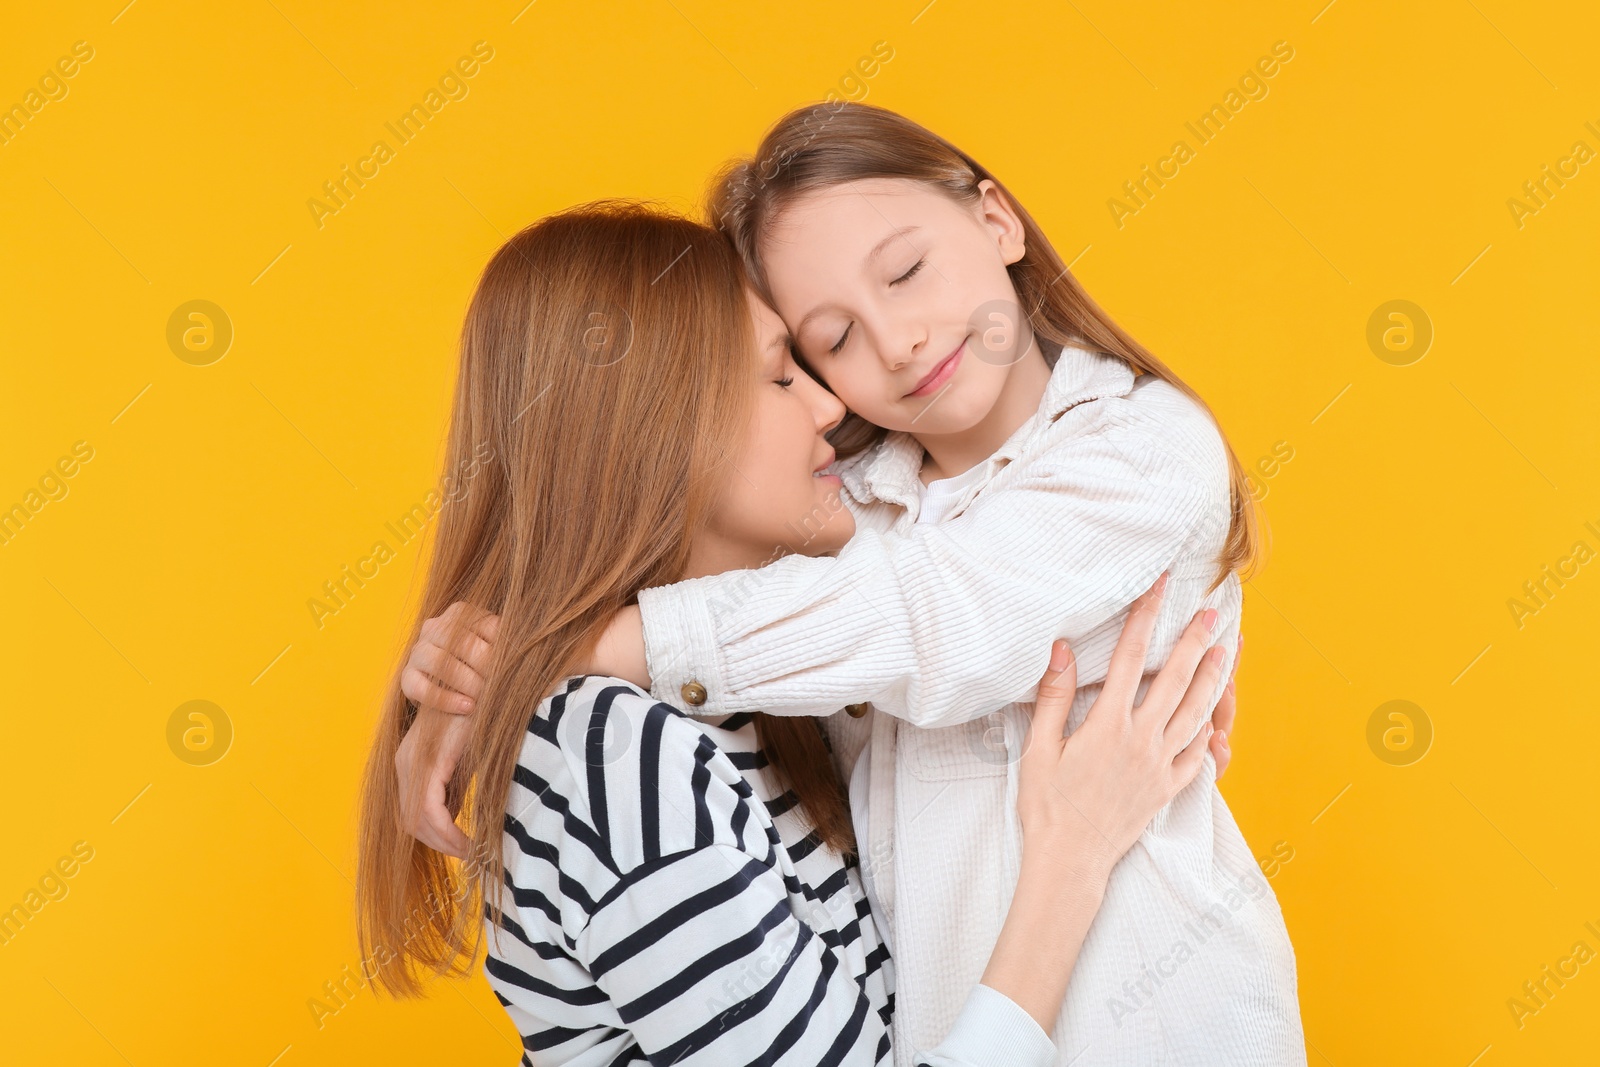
(890, 471)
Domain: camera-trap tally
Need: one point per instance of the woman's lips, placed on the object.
(941, 373)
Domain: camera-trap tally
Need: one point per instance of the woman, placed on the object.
(658, 887)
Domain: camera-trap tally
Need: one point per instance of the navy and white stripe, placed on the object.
(665, 903)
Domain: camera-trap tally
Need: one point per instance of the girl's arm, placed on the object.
(465, 662)
(945, 623)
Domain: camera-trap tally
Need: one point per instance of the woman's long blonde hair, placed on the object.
(607, 368)
(822, 145)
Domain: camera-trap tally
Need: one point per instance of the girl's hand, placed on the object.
(423, 811)
(447, 675)
(443, 677)
(1092, 794)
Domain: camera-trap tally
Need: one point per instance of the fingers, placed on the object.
(1221, 751)
(487, 627)
(447, 665)
(1195, 707)
(427, 694)
(1227, 708)
(1127, 659)
(469, 617)
(1056, 689)
(439, 831)
(449, 671)
(1222, 723)
(1190, 760)
(1176, 674)
(425, 763)
(464, 631)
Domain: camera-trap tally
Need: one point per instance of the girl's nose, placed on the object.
(900, 342)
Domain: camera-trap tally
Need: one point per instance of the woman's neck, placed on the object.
(957, 453)
(710, 554)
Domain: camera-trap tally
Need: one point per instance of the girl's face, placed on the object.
(898, 297)
(775, 496)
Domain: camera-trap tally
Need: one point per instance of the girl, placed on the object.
(1018, 468)
(660, 888)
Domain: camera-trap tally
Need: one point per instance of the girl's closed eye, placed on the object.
(918, 265)
(785, 382)
(907, 276)
(843, 337)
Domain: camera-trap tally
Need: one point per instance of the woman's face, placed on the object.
(899, 298)
(775, 499)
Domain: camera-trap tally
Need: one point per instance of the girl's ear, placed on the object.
(995, 211)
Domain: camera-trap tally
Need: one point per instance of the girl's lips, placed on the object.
(940, 374)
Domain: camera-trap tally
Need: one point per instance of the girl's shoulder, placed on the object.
(1150, 441)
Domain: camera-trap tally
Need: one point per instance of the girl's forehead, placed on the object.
(854, 191)
(841, 217)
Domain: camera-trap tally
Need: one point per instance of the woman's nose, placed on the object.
(830, 410)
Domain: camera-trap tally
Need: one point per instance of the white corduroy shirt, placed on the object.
(945, 628)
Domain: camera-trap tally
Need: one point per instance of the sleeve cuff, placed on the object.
(680, 646)
(992, 1031)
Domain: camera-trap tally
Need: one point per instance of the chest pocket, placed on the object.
(982, 748)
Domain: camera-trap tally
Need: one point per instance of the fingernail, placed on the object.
(1209, 619)
(465, 703)
(1222, 736)
(1060, 656)
(1161, 583)
(1216, 654)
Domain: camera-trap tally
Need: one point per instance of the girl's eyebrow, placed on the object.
(878, 248)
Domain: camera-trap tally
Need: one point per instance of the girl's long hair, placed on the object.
(827, 144)
(607, 370)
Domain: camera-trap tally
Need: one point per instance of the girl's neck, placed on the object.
(951, 454)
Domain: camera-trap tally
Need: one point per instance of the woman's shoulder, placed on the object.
(592, 722)
(641, 778)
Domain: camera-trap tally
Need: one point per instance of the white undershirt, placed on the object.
(941, 494)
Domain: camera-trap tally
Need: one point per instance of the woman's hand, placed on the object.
(1100, 787)
(1222, 718)
(446, 675)
(1084, 800)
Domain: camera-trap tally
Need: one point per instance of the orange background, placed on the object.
(1418, 499)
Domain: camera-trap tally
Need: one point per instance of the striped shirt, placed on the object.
(665, 903)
